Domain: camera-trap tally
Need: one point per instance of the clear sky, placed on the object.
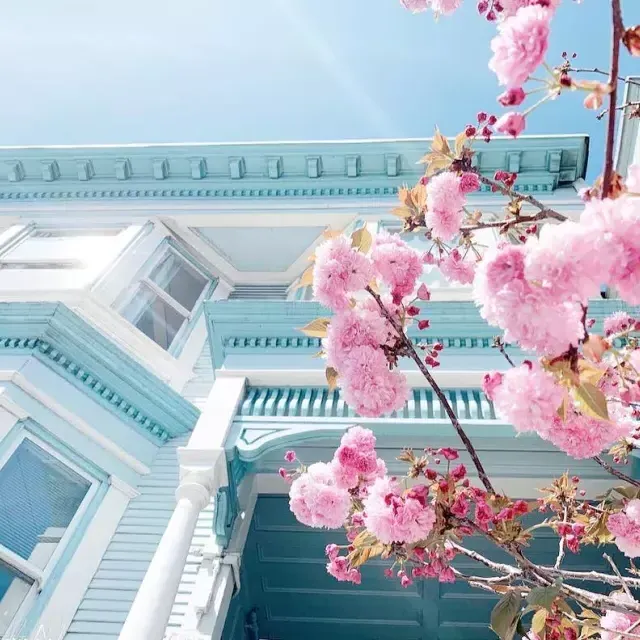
(83, 71)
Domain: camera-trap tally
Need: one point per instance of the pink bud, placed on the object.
(430, 474)
(459, 472)
(481, 117)
(423, 324)
(448, 453)
(388, 572)
(290, 456)
(282, 472)
(512, 97)
(428, 258)
(412, 311)
(331, 551)
(470, 131)
(492, 120)
(423, 292)
(406, 581)
(482, 6)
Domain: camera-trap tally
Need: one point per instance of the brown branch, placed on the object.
(592, 576)
(602, 73)
(617, 31)
(482, 474)
(545, 212)
(614, 472)
(615, 569)
(507, 224)
(620, 107)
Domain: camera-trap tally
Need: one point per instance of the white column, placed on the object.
(202, 471)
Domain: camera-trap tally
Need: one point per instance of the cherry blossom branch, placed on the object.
(498, 343)
(615, 569)
(614, 472)
(561, 549)
(618, 29)
(504, 225)
(545, 212)
(602, 73)
(620, 107)
(592, 576)
(482, 474)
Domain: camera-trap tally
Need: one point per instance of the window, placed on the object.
(167, 298)
(41, 499)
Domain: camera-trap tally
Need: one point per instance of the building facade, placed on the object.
(152, 375)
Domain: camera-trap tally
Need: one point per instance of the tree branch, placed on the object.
(617, 29)
(482, 474)
(614, 472)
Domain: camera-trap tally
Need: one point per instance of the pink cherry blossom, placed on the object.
(512, 97)
(353, 328)
(510, 7)
(618, 322)
(511, 123)
(445, 200)
(526, 312)
(456, 269)
(339, 270)
(369, 387)
(340, 569)
(491, 382)
(616, 226)
(625, 526)
(616, 621)
(316, 500)
(359, 438)
(416, 6)
(469, 182)
(392, 517)
(398, 265)
(566, 262)
(528, 398)
(445, 7)
(520, 45)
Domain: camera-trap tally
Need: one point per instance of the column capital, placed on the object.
(202, 473)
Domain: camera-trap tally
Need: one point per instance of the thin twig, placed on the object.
(482, 474)
(617, 30)
(561, 545)
(498, 343)
(614, 472)
(620, 107)
(592, 576)
(602, 73)
(625, 587)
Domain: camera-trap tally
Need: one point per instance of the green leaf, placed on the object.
(592, 401)
(506, 614)
(544, 596)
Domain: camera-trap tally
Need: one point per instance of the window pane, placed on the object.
(183, 283)
(154, 317)
(13, 591)
(39, 496)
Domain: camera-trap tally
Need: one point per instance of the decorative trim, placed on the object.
(124, 488)
(94, 364)
(319, 402)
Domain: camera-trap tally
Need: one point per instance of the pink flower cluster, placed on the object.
(529, 314)
(625, 526)
(396, 516)
(339, 567)
(455, 268)
(534, 291)
(520, 45)
(615, 621)
(316, 499)
(355, 462)
(397, 264)
(445, 200)
(529, 398)
(618, 322)
(510, 7)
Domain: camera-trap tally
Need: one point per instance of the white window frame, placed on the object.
(145, 281)
(23, 566)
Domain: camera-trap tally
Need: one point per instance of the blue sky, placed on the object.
(211, 70)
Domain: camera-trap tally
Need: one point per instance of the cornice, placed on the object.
(271, 327)
(66, 343)
(365, 168)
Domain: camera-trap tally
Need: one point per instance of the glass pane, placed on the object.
(13, 591)
(154, 317)
(39, 496)
(183, 283)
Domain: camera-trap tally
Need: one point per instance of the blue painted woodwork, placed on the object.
(294, 597)
(267, 170)
(241, 330)
(264, 249)
(109, 597)
(82, 355)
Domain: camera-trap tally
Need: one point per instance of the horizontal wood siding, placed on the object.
(201, 381)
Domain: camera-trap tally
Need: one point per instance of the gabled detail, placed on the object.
(353, 166)
(274, 167)
(314, 166)
(16, 171)
(198, 168)
(123, 169)
(160, 168)
(50, 170)
(85, 170)
(392, 164)
(236, 168)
